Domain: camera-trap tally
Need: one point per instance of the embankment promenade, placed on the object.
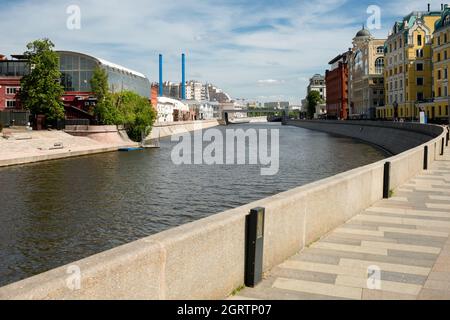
(206, 259)
(22, 147)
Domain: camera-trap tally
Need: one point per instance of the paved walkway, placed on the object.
(34, 146)
(406, 237)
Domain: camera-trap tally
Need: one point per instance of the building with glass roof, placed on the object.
(77, 70)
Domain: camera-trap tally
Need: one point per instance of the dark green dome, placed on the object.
(363, 33)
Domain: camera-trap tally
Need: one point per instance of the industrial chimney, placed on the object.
(161, 89)
(183, 76)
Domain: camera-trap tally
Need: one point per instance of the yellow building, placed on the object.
(437, 111)
(408, 65)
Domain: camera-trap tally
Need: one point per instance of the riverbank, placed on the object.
(183, 263)
(18, 146)
(24, 147)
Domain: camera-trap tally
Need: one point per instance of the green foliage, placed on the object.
(313, 99)
(104, 110)
(135, 113)
(125, 108)
(41, 90)
(99, 84)
(237, 291)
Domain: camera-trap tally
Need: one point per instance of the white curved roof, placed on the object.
(176, 103)
(106, 63)
(119, 67)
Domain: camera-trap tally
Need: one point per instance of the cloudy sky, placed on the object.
(257, 49)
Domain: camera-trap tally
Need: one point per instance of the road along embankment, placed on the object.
(205, 259)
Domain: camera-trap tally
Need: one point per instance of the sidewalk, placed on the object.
(406, 237)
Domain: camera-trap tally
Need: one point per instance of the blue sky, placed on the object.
(256, 49)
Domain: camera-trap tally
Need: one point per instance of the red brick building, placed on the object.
(11, 71)
(337, 87)
(154, 95)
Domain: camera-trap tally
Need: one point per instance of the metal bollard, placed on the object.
(448, 137)
(254, 247)
(425, 158)
(442, 146)
(387, 180)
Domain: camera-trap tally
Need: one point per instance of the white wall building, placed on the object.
(167, 106)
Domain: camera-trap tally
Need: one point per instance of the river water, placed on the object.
(57, 212)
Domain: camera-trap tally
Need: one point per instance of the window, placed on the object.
(11, 90)
(439, 75)
(379, 65)
(419, 40)
(445, 73)
(419, 96)
(10, 104)
(380, 50)
(419, 53)
(420, 81)
(419, 66)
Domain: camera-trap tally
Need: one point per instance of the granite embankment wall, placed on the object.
(394, 137)
(205, 259)
(161, 130)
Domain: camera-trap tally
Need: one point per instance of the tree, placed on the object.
(313, 99)
(104, 110)
(125, 108)
(135, 113)
(41, 89)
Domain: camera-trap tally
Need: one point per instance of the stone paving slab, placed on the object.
(406, 238)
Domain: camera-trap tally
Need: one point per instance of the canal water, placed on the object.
(57, 212)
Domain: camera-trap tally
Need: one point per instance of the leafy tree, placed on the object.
(313, 99)
(41, 90)
(135, 113)
(105, 111)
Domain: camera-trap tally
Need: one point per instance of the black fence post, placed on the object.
(425, 158)
(448, 136)
(387, 180)
(442, 146)
(254, 242)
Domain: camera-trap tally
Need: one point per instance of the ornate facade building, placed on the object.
(408, 72)
(366, 80)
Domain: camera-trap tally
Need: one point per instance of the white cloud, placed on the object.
(133, 33)
(270, 82)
